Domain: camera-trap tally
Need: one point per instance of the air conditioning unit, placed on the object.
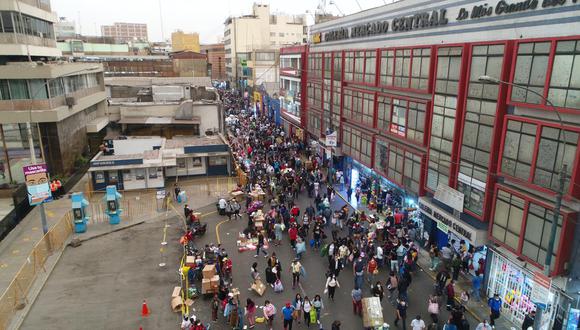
(70, 101)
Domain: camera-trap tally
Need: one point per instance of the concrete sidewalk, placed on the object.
(478, 309)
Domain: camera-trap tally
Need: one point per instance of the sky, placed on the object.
(203, 16)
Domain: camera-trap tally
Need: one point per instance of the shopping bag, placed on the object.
(312, 242)
(260, 319)
(324, 251)
(312, 316)
(278, 287)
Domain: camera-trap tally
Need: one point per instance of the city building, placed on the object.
(59, 103)
(424, 96)
(259, 31)
(292, 61)
(189, 64)
(64, 29)
(216, 59)
(144, 162)
(125, 32)
(181, 41)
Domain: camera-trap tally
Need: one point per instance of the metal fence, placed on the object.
(15, 297)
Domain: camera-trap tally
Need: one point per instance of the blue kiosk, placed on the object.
(113, 199)
(80, 217)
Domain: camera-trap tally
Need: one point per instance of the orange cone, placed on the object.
(144, 309)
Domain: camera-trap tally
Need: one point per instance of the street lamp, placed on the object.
(29, 130)
(563, 175)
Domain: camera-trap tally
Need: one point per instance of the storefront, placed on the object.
(441, 228)
(127, 173)
(522, 290)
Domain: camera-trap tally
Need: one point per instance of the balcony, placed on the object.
(22, 39)
(42, 4)
(46, 104)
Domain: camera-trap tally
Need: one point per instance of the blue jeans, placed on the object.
(358, 281)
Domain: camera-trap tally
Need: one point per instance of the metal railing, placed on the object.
(15, 297)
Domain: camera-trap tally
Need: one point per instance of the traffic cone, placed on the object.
(145, 310)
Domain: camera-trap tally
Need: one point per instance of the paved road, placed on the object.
(101, 284)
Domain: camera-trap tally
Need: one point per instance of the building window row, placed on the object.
(534, 152)
(402, 117)
(314, 95)
(314, 123)
(524, 226)
(405, 68)
(557, 59)
(358, 106)
(361, 66)
(399, 165)
(315, 65)
(38, 89)
(13, 22)
(357, 144)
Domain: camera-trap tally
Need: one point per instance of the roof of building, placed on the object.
(189, 141)
(158, 120)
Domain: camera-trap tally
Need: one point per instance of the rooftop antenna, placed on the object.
(161, 21)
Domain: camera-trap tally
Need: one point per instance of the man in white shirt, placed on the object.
(417, 323)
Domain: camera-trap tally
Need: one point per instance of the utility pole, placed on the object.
(554, 227)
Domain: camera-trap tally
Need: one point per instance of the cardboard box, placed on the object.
(372, 312)
(259, 287)
(190, 261)
(215, 281)
(205, 285)
(176, 303)
(176, 292)
(208, 271)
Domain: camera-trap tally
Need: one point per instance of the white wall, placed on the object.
(208, 114)
(135, 146)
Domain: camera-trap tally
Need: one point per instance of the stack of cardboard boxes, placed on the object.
(210, 281)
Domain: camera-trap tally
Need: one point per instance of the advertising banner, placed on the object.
(37, 184)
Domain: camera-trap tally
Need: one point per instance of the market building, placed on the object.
(292, 60)
(423, 94)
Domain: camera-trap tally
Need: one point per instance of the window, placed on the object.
(359, 65)
(281, 34)
(531, 68)
(314, 124)
(479, 124)
(327, 66)
(361, 109)
(564, 89)
(370, 67)
(357, 144)
(337, 63)
(364, 67)
(336, 97)
(349, 66)
(218, 161)
(326, 105)
(405, 68)
(314, 96)
(399, 117)
(402, 67)
(387, 67)
(537, 234)
(315, 65)
(38, 89)
(553, 147)
(19, 89)
(444, 112)
(508, 219)
(398, 165)
(12, 22)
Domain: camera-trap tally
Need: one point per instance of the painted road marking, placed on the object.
(26, 239)
(217, 230)
(15, 251)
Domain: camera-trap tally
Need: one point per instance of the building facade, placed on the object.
(181, 41)
(216, 58)
(64, 29)
(259, 31)
(292, 63)
(404, 85)
(124, 32)
(60, 104)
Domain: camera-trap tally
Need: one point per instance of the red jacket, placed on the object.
(293, 233)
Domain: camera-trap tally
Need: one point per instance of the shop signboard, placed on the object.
(541, 293)
(449, 196)
(36, 177)
(331, 139)
(446, 222)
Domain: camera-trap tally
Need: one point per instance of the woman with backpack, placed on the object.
(331, 285)
(433, 308)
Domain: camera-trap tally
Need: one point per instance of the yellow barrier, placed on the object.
(15, 296)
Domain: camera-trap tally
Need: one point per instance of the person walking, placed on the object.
(450, 290)
(485, 326)
(417, 323)
(295, 268)
(260, 246)
(318, 306)
(372, 271)
(287, 316)
(433, 308)
(358, 270)
(298, 303)
(494, 304)
(529, 320)
(331, 285)
(306, 308)
(356, 295)
(251, 313)
(378, 290)
(269, 313)
(401, 313)
(434, 256)
(476, 287)
(393, 284)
